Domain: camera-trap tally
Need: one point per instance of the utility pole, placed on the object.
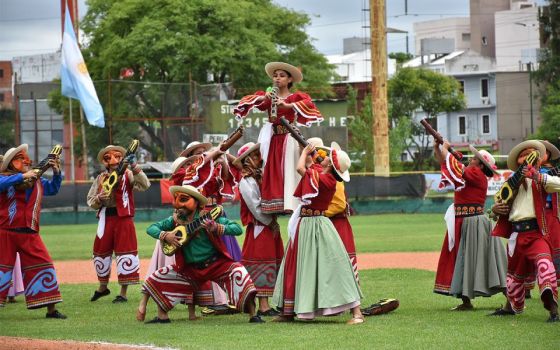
(380, 128)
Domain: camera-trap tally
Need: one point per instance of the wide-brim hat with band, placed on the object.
(244, 152)
(194, 145)
(485, 157)
(191, 191)
(554, 152)
(110, 148)
(514, 153)
(340, 161)
(10, 154)
(271, 67)
(318, 143)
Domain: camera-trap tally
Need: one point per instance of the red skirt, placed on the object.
(344, 229)
(272, 188)
(262, 257)
(446, 264)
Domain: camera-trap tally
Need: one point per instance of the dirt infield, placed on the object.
(82, 271)
(11, 343)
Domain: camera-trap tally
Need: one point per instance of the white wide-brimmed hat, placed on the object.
(340, 161)
(244, 152)
(194, 145)
(485, 157)
(110, 148)
(191, 191)
(10, 154)
(271, 67)
(554, 152)
(514, 153)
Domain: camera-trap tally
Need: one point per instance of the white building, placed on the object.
(36, 68)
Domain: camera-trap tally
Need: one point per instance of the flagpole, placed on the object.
(72, 171)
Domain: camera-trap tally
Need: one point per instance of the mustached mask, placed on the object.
(184, 205)
(112, 158)
(20, 161)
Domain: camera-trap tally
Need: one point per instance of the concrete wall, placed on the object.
(514, 109)
(450, 28)
(482, 24)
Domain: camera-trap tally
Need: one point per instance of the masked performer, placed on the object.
(21, 194)
(280, 152)
(316, 277)
(116, 231)
(263, 247)
(202, 258)
(472, 263)
(525, 226)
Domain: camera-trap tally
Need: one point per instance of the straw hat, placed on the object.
(191, 191)
(514, 153)
(485, 157)
(554, 152)
(271, 67)
(10, 154)
(340, 161)
(109, 148)
(194, 145)
(244, 151)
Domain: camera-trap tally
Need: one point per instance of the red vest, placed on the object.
(124, 194)
(17, 212)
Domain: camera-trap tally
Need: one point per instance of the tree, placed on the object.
(7, 129)
(413, 89)
(550, 115)
(401, 57)
(210, 41)
(360, 144)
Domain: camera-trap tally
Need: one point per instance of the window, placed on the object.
(462, 86)
(466, 36)
(486, 124)
(1, 73)
(432, 122)
(484, 88)
(462, 125)
(1, 97)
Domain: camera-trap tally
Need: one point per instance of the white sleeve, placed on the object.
(251, 194)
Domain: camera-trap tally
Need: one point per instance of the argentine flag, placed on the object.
(76, 82)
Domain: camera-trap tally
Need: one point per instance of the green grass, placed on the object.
(373, 234)
(423, 321)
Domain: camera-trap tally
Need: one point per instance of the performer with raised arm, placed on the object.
(523, 222)
(472, 263)
(115, 211)
(200, 257)
(263, 248)
(280, 152)
(316, 277)
(21, 194)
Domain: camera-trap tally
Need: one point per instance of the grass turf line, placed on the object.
(423, 321)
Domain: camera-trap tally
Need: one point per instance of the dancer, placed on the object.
(116, 231)
(316, 277)
(202, 258)
(21, 194)
(280, 152)
(524, 224)
(263, 247)
(472, 263)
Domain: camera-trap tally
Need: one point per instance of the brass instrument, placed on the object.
(507, 192)
(186, 232)
(110, 182)
(43, 166)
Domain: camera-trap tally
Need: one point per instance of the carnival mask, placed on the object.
(184, 203)
(21, 162)
(111, 159)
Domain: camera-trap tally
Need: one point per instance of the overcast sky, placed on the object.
(30, 27)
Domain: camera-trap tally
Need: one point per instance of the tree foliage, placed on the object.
(7, 129)
(360, 132)
(208, 41)
(413, 89)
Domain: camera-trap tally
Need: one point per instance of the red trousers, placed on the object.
(119, 237)
(532, 255)
(344, 229)
(39, 276)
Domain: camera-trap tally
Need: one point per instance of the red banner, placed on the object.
(166, 197)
